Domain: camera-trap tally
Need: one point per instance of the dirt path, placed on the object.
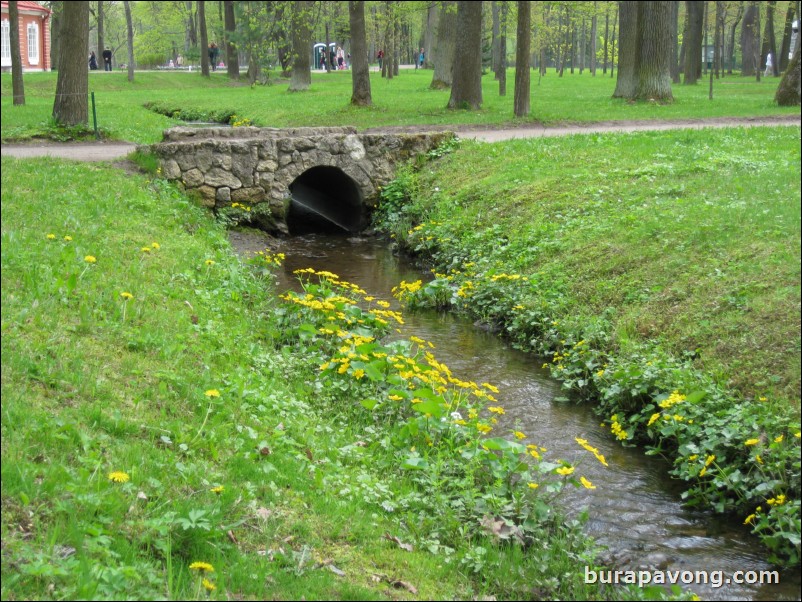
(113, 151)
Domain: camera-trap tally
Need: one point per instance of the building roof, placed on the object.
(28, 7)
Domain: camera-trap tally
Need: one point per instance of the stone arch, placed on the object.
(325, 199)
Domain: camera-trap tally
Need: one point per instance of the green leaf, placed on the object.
(369, 403)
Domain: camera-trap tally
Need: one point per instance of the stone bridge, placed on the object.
(296, 180)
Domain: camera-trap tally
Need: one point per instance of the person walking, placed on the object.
(92, 61)
(107, 59)
(769, 66)
(214, 52)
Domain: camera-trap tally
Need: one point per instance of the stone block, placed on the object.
(192, 178)
(223, 194)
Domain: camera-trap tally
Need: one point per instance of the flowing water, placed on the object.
(635, 510)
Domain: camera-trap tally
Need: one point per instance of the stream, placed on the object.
(635, 511)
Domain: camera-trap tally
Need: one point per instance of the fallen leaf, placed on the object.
(403, 584)
(264, 513)
(335, 570)
(404, 546)
(232, 537)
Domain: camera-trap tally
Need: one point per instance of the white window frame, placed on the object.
(32, 32)
(5, 44)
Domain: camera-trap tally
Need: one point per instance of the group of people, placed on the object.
(335, 58)
(106, 60)
(419, 60)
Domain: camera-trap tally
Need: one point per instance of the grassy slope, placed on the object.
(92, 383)
(406, 100)
(691, 238)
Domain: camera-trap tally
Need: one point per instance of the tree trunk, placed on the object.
(428, 39)
(654, 59)
(190, 31)
(626, 83)
(301, 46)
(749, 35)
(594, 26)
(521, 94)
(606, 38)
(716, 46)
(72, 86)
(494, 41)
(675, 70)
(502, 46)
(693, 43)
(613, 41)
(130, 31)
(788, 92)
(396, 38)
(731, 48)
(204, 38)
(360, 70)
(17, 85)
(785, 46)
(232, 55)
(466, 89)
(100, 27)
(445, 46)
(55, 34)
(769, 41)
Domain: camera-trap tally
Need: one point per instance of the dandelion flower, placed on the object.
(212, 393)
(90, 259)
(203, 567)
(126, 296)
(51, 237)
(218, 489)
(586, 483)
(68, 238)
(210, 262)
(208, 585)
(155, 245)
(145, 249)
(119, 476)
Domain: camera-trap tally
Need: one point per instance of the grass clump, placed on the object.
(167, 430)
(659, 277)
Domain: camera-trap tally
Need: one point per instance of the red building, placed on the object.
(34, 37)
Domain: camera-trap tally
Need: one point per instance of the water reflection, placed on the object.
(635, 510)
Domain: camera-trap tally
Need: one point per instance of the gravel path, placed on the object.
(113, 151)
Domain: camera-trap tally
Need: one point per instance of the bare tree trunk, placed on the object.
(749, 33)
(654, 60)
(716, 46)
(396, 39)
(693, 43)
(521, 98)
(785, 46)
(55, 34)
(757, 43)
(788, 92)
(606, 38)
(769, 39)
(204, 38)
(301, 46)
(494, 41)
(675, 70)
(594, 26)
(360, 70)
(502, 45)
(428, 39)
(613, 43)
(71, 105)
(626, 83)
(731, 49)
(232, 56)
(100, 26)
(466, 89)
(17, 85)
(446, 46)
(130, 31)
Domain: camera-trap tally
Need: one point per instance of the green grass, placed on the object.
(94, 383)
(405, 100)
(639, 265)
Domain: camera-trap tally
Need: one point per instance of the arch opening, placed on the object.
(325, 200)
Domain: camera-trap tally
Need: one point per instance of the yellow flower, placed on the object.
(496, 409)
(565, 470)
(484, 428)
(748, 520)
(395, 398)
(155, 245)
(778, 439)
(145, 249)
(519, 435)
(208, 585)
(703, 472)
(600, 373)
(325, 366)
(586, 483)
(119, 476)
(751, 441)
(210, 262)
(653, 419)
(68, 238)
(710, 459)
(359, 373)
(758, 459)
(533, 485)
(693, 457)
(203, 567)
(218, 489)
(126, 296)
(51, 237)
(90, 259)
(212, 393)
(762, 399)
